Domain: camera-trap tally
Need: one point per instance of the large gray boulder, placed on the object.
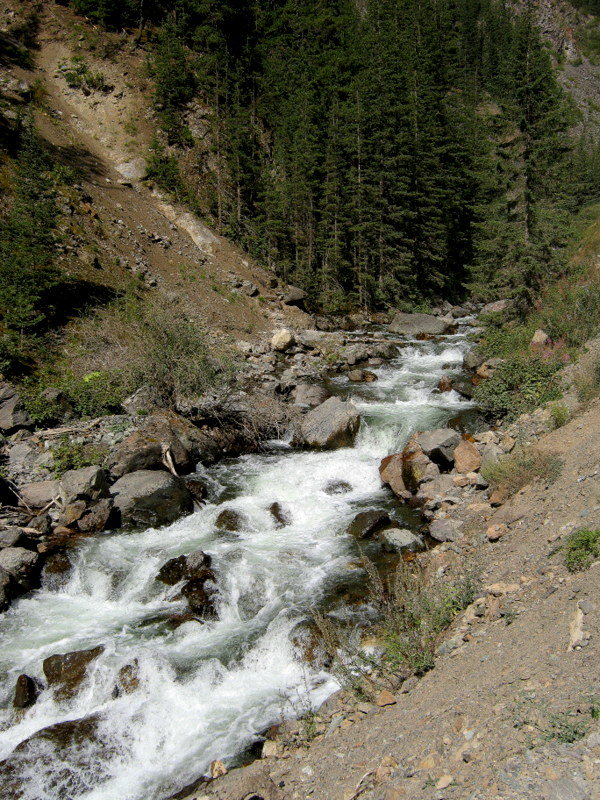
(87, 483)
(309, 394)
(439, 445)
(21, 565)
(332, 424)
(150, 497)
(398, 540)
(12, 412)
(294, 297)
(415, 324)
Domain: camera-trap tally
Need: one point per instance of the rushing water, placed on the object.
(206, 690)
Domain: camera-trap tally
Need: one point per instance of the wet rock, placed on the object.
(472, 360)
(5, 589)
(414, 324)
(356, 353)
(65, 671)
(129, 678)
(391, 470)
(366, 523)
(57, 567)
(306, 394)
(282, 340)
(444, 530)
(39, 494)
(184, 568)
(416, 466)
(337, 487)
(12, 412)
(230, 520)
(399, 540)
(294, 297)
(21, 565)
(464, 388)
(444, 385)
(26, 692)
(197, 487)
(361, 376)
(332, 424)
(439, 445)
(149, 498)
(383, 350)
(71, 750)
(466, 457)
(280, 515)
(87, 483)
(199, 592)
(97, 518)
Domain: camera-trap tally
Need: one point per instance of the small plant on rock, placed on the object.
(581, 549)
(522, 467)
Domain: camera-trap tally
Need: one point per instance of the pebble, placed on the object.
(385, 698)
(444, 782)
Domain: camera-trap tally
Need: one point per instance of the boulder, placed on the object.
(307, 394)
(21, 565)
(12, 412)
(184, 568)
(294, 297)
(361, 376)
(399, 540)
(490, 454)
(12, 537)
(466, 457)
(356, 353)
(472, 360)
(415, 324)
(385, 350)
(149, 498)
(96, 518)
(26, 692)
(280, 515)
(391, 470)
(496, 307)
(444, 385)
(366, 523)
(5, 589)
(416, 466)
(465, 388)
(230, 520)
(439, 445)
(282, 340)
(38, 495)
(445, 530)
(435, 489)
(65, 671)
(332, 424)
(337, 487)
(199, 592)
(87, 483)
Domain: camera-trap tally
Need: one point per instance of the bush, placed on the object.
(79, 76)
(560, 414)
(581, 549)
(518, 469)
(519, 385)
(75, 455)
(572, 314)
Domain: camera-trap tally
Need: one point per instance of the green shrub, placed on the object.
(560, 414)
(75, 455)
(572, 314)
(79, 76)
(519, 385)
(581, 549)
(520, 468)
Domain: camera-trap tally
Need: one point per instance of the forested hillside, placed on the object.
(373, 152)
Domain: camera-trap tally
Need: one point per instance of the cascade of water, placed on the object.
(206, 689)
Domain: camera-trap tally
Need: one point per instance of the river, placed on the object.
(206, 690)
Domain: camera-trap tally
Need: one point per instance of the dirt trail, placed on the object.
(517, 679)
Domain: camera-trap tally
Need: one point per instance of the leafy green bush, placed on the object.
(581, 549)
(522, 467)
(75, 455)
(79, 76)
(560, 414)
(519, 385)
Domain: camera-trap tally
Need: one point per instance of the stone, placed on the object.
(409, 684)
(385, 698)
(87, 483)
(490, 454)
(282, 340)
(230, 520)
(356, 353)
(12, 412)
(466, 457)
(414, 324)
(184, 567)
(72, 512)
(294, 296)
(40, 494)
(464, 388)
(439, 445)
(281, 516)
(197, 487)
(12, 537)
(400, 540)
(361, 376)
(198, 594)
(21, 565)
(496, 307)
(269, 749)
(134, 170)
(128, 678)
(338, 487)
(65, 671)
(96, 518)
(366, 523)
(539, 341)
(332, 424)
(444, 530)
(311, 395)
(142, 400)
(148, 498)
(391, 472)
(415, 466)
(444, 385)
(472, 360)
(444, 782)
(499, 496)
(5, 589)
(500, 588)
(26, 692)
(217, 769)
(460, 481)
(495, 532)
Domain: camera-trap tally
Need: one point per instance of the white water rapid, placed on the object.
(207, 690)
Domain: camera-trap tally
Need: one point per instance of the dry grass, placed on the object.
(520, 468)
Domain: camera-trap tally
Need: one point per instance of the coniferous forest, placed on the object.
(374, 152)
